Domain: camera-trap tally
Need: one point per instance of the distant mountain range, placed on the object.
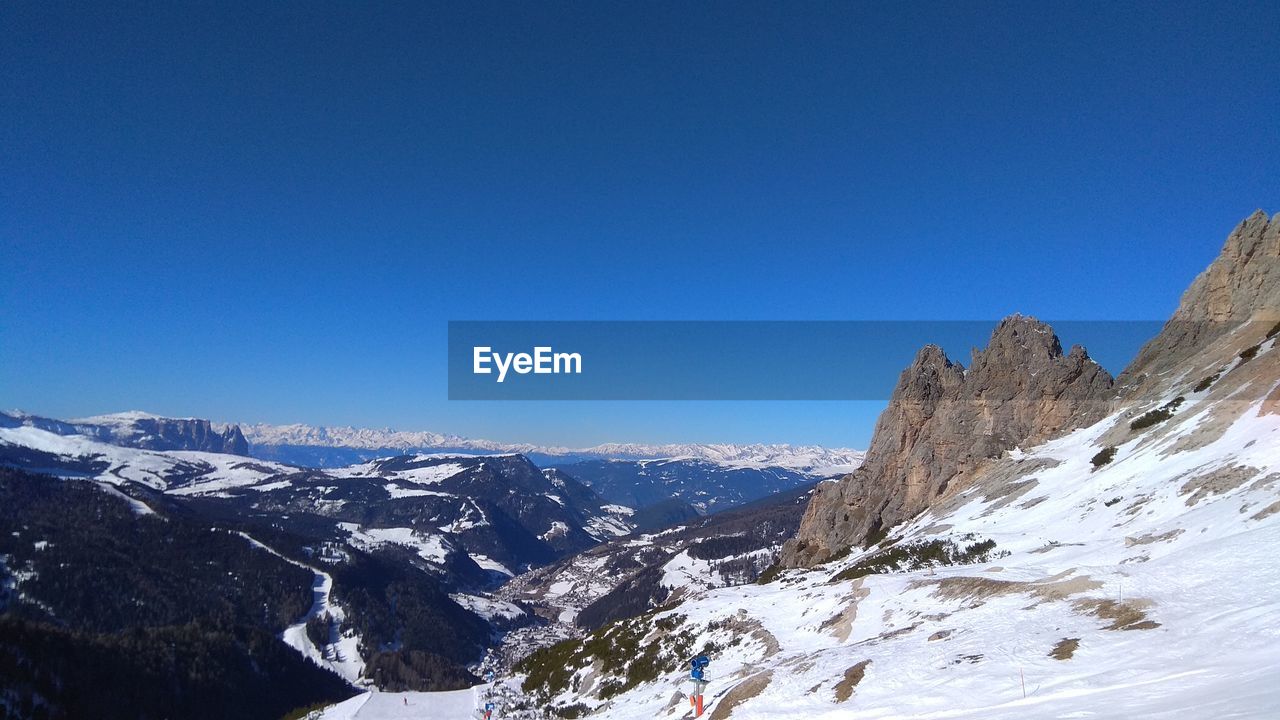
(705, 486)
(342, 445)
(667, 483)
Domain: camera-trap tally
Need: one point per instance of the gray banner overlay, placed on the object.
(734, 360)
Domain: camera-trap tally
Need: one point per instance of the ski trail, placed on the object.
(448, 705)
(342, 654)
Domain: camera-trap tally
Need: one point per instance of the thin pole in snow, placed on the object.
(1023, 675)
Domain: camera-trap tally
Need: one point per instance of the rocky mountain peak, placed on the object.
(1241, 285)
(931, 356)
(1019, 338)
(943, 422)
(1244, 278)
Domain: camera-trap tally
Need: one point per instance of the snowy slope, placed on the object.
(1152, 579)
(80, 456)
(509, 704)
(459, 704)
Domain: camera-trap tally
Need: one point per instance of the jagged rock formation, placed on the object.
(183, 434)
(943, 423)
(1241, 285)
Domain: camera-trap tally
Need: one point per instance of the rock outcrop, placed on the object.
(180, 434)
(1241, 285)
(944, 422)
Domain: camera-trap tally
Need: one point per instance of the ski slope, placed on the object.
(342, 655)
(459, 704)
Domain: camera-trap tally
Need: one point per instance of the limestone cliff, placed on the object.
(944, 425)
(1241, 285)
(944, 422)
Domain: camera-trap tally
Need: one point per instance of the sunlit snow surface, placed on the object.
(211, 471)
(460, 704)
(432, 548)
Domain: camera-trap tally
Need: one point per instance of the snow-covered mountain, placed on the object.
(630, 575)
(1117, 564)
(141, 430)
(500, 509)
(706, 478)
(404, 550)
(1145, 588)
(31, 447)
(674, 480)
(261, 434)
(810, 459)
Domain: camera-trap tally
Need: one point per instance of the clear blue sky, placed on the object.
(269, 212)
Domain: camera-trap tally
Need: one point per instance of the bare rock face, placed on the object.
(181, 434)
(944, 422)
(944, 425)
(1241, 285)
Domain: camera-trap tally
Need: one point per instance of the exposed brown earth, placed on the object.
(741, 693)
(852, 676)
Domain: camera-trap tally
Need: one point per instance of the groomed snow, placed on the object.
(459, 704)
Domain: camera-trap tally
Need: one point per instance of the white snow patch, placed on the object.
(488, 608)
(430, 547)
(488, 563)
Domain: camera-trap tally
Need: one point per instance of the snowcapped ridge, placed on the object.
(367, 438)
(802, 457)
(123, 428)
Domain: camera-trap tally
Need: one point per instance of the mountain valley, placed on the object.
(1027, 536)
